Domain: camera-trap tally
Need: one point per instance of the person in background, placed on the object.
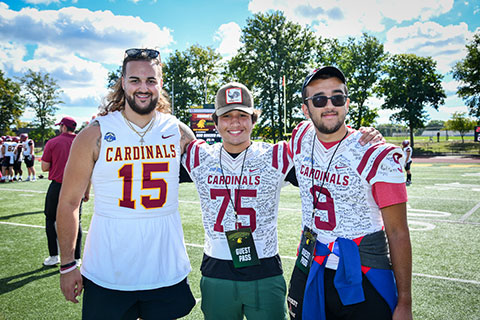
(17, 165)
(54, 159)
(29, 156)
(9, 149)
(407, 151)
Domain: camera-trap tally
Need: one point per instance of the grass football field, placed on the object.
(444, 219)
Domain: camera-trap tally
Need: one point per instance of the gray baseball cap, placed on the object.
(233, 96)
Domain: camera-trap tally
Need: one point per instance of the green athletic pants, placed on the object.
(262, 299)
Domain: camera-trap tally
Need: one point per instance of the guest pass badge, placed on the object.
(306, 250)
(242, 248)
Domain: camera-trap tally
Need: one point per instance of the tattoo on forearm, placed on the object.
(98, 143)
(187, 136)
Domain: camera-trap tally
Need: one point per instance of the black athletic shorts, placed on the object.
(6, 162)
(164, 303)
(29, 161)
(407, 165)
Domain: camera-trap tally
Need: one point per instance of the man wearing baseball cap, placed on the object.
(239, 184)
(54, 159)
(353, 200)
(69, 122)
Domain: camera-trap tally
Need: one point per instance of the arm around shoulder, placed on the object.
(186, 136)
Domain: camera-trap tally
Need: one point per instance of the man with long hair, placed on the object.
(135, 263)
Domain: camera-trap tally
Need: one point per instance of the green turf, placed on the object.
(444, 216)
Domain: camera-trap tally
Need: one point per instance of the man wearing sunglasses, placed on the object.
(135, 263)
(352, 196)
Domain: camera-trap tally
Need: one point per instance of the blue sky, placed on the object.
(79, 41)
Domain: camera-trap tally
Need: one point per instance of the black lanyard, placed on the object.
(314, 194)
(234, 205)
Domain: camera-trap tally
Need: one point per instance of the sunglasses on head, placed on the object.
(136, 53)
(319, 101)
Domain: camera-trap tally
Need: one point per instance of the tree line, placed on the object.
(273, 61)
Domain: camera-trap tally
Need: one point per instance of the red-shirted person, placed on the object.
(54, 159)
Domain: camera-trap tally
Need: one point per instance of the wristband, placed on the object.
(69, 267)
(67, 270)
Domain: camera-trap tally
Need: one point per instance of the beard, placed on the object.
(142, 111)
(327, 130)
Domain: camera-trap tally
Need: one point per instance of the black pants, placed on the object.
(51, 203)
(374, 306)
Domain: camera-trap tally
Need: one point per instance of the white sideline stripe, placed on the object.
(445, 278)
(283, 257)
(24, 190)
(469, 213)
(21, 225)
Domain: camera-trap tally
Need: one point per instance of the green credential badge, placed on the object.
(242, 248)
(306, 250)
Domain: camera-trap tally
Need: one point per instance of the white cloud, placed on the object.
(229, 36)
(73, 45)
(94, 35)
(343, 18)
(446, 44)
(414, 9)
(450, 87)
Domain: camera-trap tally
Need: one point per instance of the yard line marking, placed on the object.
(21, 224)
(283, 257)
(469, 213)
(445, 278)
(447, 221)
(24, 190)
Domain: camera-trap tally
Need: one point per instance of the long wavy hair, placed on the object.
(115, 99)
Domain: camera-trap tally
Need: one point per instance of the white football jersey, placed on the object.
(10, 148)
(27, 149)
(346, 207)
(135, 240)
(257, 198)
(408, 158)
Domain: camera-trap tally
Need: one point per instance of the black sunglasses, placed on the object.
(136, 53)
(318, 101)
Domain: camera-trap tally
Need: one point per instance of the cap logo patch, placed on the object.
(233, 95)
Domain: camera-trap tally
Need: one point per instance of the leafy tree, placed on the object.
(435, 125)
(191, 78)
(11, 103)
(467, 71)
(362, 62)
(273, 48)
(461, 123)
(388, 129)
(42, 94)
(411, 84)
(113, 77)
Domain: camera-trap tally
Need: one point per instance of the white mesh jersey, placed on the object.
(264, 172)
(135, 240)
(10, 148)
(407, 157)
(27, 148)
(346, 207)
